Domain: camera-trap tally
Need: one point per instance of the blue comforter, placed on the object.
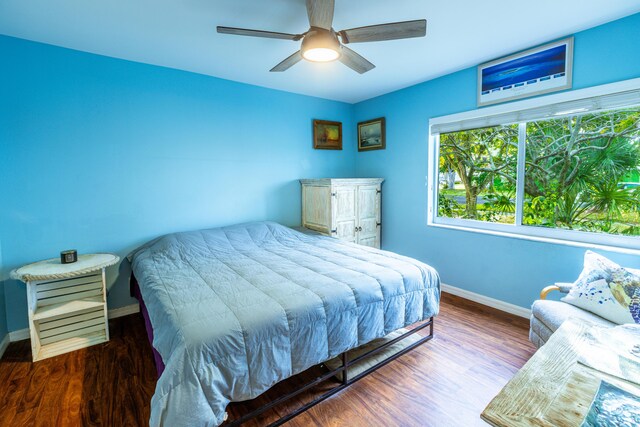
(236, 309)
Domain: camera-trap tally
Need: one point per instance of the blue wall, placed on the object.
(508, 269)
(100, 154)
(3, 312)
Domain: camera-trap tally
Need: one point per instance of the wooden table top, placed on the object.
(553, 388)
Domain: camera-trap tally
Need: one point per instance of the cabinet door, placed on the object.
(316, 208)
(368, 215)
(344, 213)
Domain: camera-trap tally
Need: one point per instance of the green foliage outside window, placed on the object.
(581, 173)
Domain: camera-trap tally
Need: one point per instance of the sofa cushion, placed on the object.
(606, 289)
(553, 313)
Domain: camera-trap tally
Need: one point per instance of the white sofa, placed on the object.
(548, 315)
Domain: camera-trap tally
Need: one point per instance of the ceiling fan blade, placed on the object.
(258, 33)
(320, 13)
(354, 61)
(288, 63)
(392, 31)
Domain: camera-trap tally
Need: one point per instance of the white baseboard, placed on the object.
(19, 335)
(23, 334)
(123, 311)
(4, 344)
(491, 302)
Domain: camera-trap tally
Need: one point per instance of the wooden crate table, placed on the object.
(67, 303)
(555, 387)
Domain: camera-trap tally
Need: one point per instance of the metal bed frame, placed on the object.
(346, 381)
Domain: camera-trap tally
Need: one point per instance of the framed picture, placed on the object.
(371, 135)
(327, 135)
(543, 69)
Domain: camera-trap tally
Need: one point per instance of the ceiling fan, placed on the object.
(321, 43)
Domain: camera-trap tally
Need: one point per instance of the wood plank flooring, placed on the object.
(446, 382)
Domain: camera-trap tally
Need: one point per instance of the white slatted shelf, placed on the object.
(70, 344)
(56, 322)
(71, 334)
(67, 303)
(59, 284)
(69, 307)
(42, 295)
(58, 332)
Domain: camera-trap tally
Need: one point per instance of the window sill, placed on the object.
(551, 240)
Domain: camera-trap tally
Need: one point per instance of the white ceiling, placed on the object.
(181, 34)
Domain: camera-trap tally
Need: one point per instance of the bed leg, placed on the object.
(345, 364)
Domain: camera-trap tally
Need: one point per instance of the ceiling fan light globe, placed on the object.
(320, 54)
(320, 45)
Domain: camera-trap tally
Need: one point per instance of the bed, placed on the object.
(234, 310)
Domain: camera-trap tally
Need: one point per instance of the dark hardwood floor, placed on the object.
(445, 382)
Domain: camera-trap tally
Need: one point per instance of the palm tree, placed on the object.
(578, 162)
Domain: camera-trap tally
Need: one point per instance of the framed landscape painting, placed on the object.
(543, 69)
(327, 135)
(371, 135)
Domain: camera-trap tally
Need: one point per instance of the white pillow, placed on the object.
(606, 289)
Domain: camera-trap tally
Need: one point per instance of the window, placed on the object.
(479, 171)
(563, 170)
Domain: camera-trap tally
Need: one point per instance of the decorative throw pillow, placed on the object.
(606, 289)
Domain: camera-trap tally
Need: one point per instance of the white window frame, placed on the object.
(626, 244)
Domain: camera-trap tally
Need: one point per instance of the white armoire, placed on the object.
(346, 208)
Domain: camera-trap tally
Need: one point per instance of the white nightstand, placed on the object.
(67, 303)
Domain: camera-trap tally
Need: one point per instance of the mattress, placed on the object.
(236, 309)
